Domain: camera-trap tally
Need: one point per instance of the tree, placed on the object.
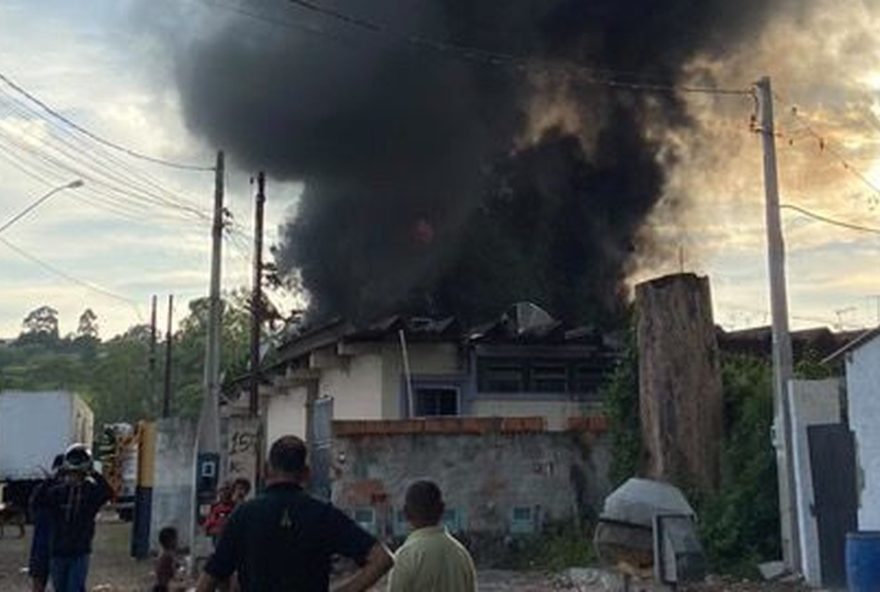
(189, 349)
(88, 325)
(40, 326)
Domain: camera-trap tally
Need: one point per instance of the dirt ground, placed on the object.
(112, 570)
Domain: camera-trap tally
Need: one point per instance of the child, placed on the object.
(166, 565)
(220, 511)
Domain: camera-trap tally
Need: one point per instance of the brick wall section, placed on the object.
(596, 424)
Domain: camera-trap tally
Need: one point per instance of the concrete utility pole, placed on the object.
(257, 296)
(152, 359)
(782, 355)
(169, 342)
(209, 421)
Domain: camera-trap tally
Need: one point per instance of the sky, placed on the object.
(90, 62)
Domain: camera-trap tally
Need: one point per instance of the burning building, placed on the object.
(457, 156)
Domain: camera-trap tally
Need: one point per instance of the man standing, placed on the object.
(284, 539)
(430, 560)
(72, 501)
(38, 563)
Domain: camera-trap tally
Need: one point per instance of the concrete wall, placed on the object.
(174, 479)
(485, 472)
(812, 402)
(863, 401)
(557, 413)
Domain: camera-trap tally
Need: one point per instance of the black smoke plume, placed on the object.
(431, 185)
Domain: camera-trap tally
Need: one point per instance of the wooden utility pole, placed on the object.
(169, 341)
(152, 358)
(209, 421)
(257, 296)
(782, 354)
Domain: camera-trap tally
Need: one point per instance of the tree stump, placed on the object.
(680, 392)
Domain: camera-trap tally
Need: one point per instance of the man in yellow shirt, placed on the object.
(430, 560)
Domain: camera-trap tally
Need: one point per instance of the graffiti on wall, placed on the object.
(242, 449)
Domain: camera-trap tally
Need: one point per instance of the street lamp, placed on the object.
(72, 185)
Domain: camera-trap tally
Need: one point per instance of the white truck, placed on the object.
(34, 427)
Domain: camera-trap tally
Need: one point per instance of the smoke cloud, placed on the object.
(438, 183)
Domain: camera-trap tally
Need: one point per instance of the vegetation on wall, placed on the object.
(621, 396)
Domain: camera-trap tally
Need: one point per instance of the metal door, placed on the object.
(321, 447)
(832, 463)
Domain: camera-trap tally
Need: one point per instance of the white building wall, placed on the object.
(863, 400)
(286, 414)
(356, 387)
(813, 402)
(425, 359)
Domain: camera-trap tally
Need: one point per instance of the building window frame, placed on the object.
(454, 382)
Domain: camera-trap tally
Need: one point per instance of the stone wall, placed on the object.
(500, 477)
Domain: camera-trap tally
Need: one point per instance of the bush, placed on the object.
(740, 524)
(556, 549)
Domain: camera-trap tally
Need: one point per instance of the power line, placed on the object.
(99, 158)
(825, 146)
(88, 285)
(96, 137)
(827, 220)
(598, 76)
(72, 159)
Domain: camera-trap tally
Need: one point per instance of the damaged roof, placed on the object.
(522, 323)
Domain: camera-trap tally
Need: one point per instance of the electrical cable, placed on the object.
(825, 146)
(828, 220)
(86, 284)
(21, 90)
(596, 76)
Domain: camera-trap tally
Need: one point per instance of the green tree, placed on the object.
(40, 326)
(88, 325)
(189, 349)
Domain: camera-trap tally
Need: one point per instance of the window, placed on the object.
(522, 520)
(537, 375)
(401, 524)
(434, 401)
(451, 520)
(502, 376)
(549, 377)
(366, 519)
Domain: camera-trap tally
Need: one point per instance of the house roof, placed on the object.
(856, 343)
(758, 341)
(523, 323)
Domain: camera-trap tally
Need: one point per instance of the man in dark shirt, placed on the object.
(38, 563)
(72, 501)
(284, 540)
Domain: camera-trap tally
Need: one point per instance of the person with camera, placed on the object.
(72, 500)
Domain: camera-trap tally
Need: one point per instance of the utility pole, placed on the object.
(169, 339)
(209, 421)
(152, 359)
(257, 296)
(782, 354)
